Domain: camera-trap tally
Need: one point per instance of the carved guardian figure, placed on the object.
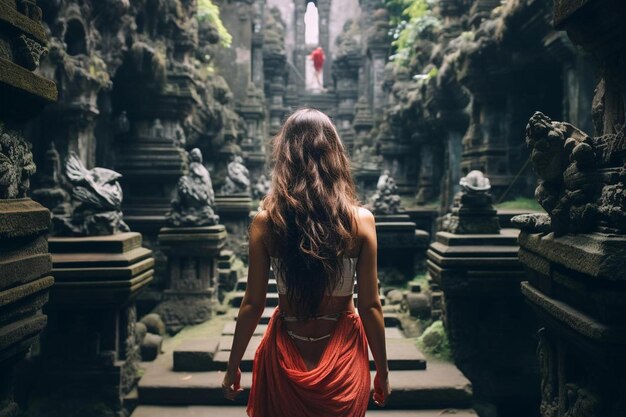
(97, 201)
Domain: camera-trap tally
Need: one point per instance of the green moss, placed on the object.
(411, 20)
(520, 203)
(207, 10)
(434, 341)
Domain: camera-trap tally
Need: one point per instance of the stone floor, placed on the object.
(185, 381)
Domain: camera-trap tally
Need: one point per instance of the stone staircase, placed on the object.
(186, 381)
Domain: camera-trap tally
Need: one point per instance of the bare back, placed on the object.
(312, 351)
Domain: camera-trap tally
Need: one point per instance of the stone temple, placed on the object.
(487, 137)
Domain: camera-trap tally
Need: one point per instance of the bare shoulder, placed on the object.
(261, 220)
(365, 220)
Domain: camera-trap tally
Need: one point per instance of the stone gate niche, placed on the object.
(311, 30)
(313, 81)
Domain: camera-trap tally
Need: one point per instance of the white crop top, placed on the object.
(345, 286)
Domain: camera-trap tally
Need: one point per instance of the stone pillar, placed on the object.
(151, 157)
(192, 254)
(89, 359)
(574, 258)
(323, 7)
(25, 263)
(253, 146)
(401, 246)
(489, 326)
(300, 51)
(345, 71)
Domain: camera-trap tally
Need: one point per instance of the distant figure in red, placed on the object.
(318, 57)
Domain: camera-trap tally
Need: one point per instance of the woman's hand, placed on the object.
(231, 385)
(381, 389)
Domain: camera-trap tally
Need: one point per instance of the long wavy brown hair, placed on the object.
(310, 208)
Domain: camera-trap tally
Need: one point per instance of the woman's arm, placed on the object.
(252, 305)
(370, 308)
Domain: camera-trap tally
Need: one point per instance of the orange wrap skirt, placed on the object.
(339, 386)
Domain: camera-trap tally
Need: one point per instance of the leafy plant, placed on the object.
(410, 20)
(209, 11)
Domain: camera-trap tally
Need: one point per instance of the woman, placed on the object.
(313, 359)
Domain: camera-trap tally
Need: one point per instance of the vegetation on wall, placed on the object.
(411, 21)
(209, 11)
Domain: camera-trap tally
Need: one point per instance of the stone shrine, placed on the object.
(89, 357)
(574, 258)
(192, 242)
(490, 328)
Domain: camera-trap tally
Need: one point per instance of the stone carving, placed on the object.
(549, 382)
(97, 198)
(237, 178)
(16, 164)
(475, 182)
(50, 192)
(366, 158)
(534, 223)
(31, 52)
(386, 199)
(564, 160)
(194, 201)
(261, 187)
(473, 212)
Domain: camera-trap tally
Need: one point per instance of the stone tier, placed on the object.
(25, 269)
(490, 328)
(400, 244)
(100, 269)
(89, 354)
(577, 287)
(192, 254)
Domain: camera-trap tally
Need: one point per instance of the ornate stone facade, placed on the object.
(575, 260)
(25, 262)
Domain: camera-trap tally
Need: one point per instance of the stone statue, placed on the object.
(194, 201)
(50, 192)
(16, 164)
(475, 182)
(565, 161)
(157, 129)
(261, 187)
(473, 211)
(237, 178)
(386, 199)
(97, 201)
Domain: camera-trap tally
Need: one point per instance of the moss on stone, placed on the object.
(520, 203)
(434, 341)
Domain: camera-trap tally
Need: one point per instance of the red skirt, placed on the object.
(339, 386)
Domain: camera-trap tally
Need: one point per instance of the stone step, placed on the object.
(211, 354)
(242, 283)
(229, 330)
(271, 299)
(440, 385)
(240, 411)
(391, 319)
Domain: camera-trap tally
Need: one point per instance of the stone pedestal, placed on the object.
(234, 212)
(89, 354)
(401, 246)
(577, 287)
(24, 284)
(490, 328)
(192, 269)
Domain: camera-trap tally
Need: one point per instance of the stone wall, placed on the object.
(574, 255)
(25, 261)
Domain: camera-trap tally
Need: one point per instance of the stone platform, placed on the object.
(240, 411)
(186, 380)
